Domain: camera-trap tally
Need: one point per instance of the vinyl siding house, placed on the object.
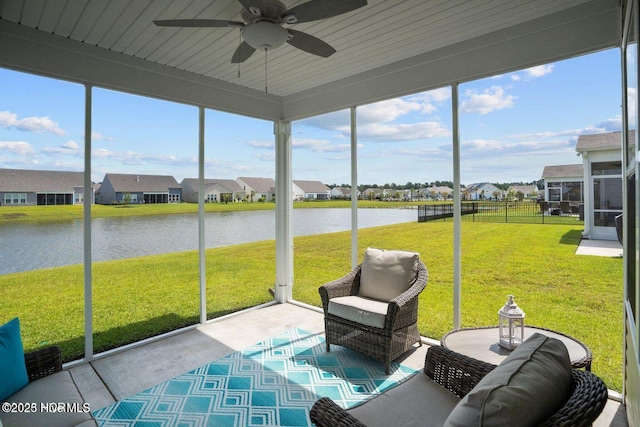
(22, 187)
(482, 191)
(310, 190)
(132, 189)
(257, 188)
(374, 193)
(563, 183)
(341, 193)
(527, 191)
(440, 193)
(596, 183)
(216, 190)
(602, 166)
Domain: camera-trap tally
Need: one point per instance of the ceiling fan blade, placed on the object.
(310, 44)
(198, 23)
(242, 53)
(320, 9)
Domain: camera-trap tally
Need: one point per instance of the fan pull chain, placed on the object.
(239, 44)
(265, 71)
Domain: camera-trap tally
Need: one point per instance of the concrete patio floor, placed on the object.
(124, 373)
(606, 248)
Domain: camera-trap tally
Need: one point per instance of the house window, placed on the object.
(15, 198)
(607, 192)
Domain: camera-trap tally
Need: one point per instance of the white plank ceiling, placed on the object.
(377, 35)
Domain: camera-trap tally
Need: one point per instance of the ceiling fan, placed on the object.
(263, 25)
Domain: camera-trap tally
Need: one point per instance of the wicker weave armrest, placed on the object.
(42, 362)
(342, 287)
(325, 413)
(455, 372)
(587, 400)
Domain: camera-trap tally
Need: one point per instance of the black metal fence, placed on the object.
(517, 212)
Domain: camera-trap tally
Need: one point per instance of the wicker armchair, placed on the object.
(399, 332)
(459, 374)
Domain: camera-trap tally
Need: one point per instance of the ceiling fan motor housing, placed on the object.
(265, 35)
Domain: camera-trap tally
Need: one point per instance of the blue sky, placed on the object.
(511, 126)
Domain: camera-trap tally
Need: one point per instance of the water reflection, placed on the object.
(30, 246)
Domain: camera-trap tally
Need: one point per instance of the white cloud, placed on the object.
(320, 145)
(97, 136)
(20, 148)
(386, 111)
(30, 124)
(492, 99)
(402, 132)
(539, 71)
(262, 144)
(428, 100)
(70, 148)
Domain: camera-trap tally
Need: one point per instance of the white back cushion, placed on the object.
(387, 274)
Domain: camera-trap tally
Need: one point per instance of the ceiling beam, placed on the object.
(569, 33)
(29, 50)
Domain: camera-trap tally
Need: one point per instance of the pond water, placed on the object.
(32, 246)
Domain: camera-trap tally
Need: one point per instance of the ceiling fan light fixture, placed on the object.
(265, 35)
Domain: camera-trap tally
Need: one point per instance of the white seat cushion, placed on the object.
(365, 311)
(387, 274)
(54, 388)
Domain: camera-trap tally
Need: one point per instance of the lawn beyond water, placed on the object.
(136, 298)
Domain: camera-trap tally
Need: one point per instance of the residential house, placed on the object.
(341, 193)
(37, 187)
(257, 188)
(215, 190)
(523, 191)
(482, 191)
(439, 193)
(603, 195)
(563, 183)
(134, 188)
(374, 193)
(596, 183)
(310, 190)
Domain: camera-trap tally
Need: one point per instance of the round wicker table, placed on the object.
(482, 344)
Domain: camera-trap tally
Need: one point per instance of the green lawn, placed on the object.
(139, 297)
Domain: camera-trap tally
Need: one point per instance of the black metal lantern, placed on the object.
(511, 325)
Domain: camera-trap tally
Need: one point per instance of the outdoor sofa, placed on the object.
(51, 397)
(535, 385)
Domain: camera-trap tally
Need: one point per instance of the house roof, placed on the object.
(480, 185)
(228, 184)
(343, 190)
(23, 180)
(441, 189)
(563, 171)
(601, 141)
(141, 183)
(260, 185)
(384, 50)
(311, 186)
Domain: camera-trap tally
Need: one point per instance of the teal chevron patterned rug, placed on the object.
(275, 382)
